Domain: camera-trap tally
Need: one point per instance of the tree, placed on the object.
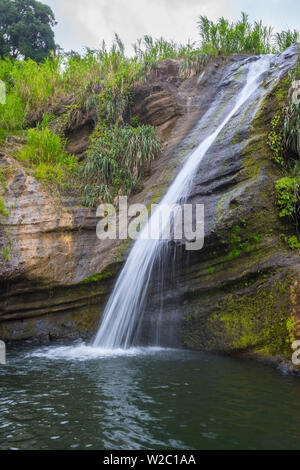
(26, 29)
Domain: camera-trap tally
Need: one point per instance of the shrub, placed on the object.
(46, 151)
(43, 146)
(287, 193)
(293, 243)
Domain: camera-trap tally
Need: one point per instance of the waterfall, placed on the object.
(125, 308)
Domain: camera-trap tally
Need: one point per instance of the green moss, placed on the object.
(282, 140)
(238, 76)
(3, 211)
(251, 164)
(283, 89)
(254, 310)
(259, 321)
(241, 241)
(234, 253)
(156, 196)
(121, 251)
(98, 277)
(220, 207)
(6, 253)
(3, 178)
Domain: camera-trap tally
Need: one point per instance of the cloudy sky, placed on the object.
(86, 22)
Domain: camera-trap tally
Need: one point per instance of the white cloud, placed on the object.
(87, 22)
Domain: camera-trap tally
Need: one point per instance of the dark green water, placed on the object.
(60, 399)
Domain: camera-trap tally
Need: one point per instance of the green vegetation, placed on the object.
(3, 211)
(2, 207)
(106, 274)
(98, 87)
(116, 159)
(100, 83)
(285, 39)
(6, 253)
(26, 29)
(293, 243)
(284, 137)
(45, 151)
(284, 142)
(242, 37)
(237, 245)
(287, 190)
(150, 51)
(259, 321)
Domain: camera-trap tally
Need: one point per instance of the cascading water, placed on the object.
(125, 308)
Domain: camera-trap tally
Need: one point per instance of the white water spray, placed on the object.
(125, 308)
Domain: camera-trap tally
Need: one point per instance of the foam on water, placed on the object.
(84, 352)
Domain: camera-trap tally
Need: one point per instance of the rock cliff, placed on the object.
(238, 294)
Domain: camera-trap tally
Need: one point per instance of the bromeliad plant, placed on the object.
(116, 160)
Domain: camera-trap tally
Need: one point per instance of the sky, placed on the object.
(85, 23)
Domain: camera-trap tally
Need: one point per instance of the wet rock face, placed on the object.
(56, 275)
(239, 293)
(52, 250)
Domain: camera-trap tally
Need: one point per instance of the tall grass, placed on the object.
(99, 85)
(149, 52)
(242, 37)
(66, 81)
(285, 39)
(46, 152)
(239, 37)
(103, 78)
